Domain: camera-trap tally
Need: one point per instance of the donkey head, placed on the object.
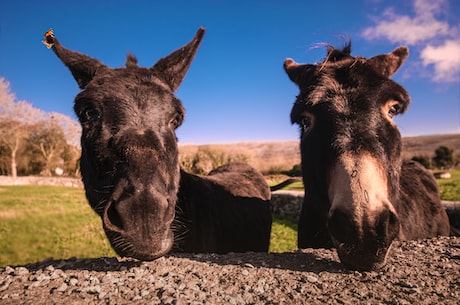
(351, 149)
(129, 159)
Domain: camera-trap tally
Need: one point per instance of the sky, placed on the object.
(236, 89)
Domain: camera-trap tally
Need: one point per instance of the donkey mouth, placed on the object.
(127, 246)
(360, 257)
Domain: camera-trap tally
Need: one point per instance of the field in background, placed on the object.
(283, 155)
(450, 188)
(41, 222)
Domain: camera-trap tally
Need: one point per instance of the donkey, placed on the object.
(359, 194)
(130, 168)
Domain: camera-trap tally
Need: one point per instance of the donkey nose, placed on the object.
(386, 226)
(342, 226)
(362, 242)
(112, 219)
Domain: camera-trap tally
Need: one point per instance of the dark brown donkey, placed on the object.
(130, 167)
(359, 194)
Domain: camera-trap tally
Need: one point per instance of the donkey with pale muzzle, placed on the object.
(359, 193)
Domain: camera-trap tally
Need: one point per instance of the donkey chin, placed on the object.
(361, 258)
(129, 246)
(364, 246)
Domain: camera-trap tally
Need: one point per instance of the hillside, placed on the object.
(426, 145)
(285, 154)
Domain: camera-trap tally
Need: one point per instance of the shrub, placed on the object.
(424, 160)
(444, 157)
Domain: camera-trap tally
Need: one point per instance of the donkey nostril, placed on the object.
(112, 218)
(393, 219)
(387, 226)
(340, 225)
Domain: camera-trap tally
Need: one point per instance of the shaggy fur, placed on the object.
(359, 194)
(130, 167)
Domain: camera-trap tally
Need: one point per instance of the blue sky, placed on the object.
(236, 90)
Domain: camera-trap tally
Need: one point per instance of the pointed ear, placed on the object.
(388, 64)
(83, 67)
(297, 72)
(174, 66)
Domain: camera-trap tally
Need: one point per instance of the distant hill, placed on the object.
(426, 145)
(285, 154)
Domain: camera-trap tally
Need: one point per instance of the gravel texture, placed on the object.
(417, 272)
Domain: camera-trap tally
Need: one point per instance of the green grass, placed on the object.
(296, 186)
(450, 188)
(284, 234)
(40, 222)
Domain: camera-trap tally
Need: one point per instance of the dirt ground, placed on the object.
(417, 272)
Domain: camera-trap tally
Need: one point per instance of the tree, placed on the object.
(15, 118)
(295, 171)
(46, 134)
(71, 128)
(444, 157)
(4, 160)
(48, 141)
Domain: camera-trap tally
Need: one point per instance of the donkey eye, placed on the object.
(89, 114)
(393, 110)
(176, 121)
(306, 122)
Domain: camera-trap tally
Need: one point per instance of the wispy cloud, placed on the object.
(445, 58)
(439, 41)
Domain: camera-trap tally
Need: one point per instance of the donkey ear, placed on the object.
(297, 72)
(174, 66)
(83, 67)
(388, 64)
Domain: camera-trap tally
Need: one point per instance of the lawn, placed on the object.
(40, 222)
(450, 188)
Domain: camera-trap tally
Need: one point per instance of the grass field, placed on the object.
(450, 188)
(40, 222)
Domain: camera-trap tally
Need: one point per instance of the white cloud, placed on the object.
(410, 30)
(405, 30)
(428, 31)
(445, 58)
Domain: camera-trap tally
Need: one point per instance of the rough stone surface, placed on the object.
(287, 203)
(37, 180)
(417, 272)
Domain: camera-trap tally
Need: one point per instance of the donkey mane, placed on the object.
(335, 55)
(131, 61)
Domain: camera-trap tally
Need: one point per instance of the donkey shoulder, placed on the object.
(420, 200)
(240, 180)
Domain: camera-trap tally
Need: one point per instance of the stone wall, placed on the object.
(59, 181)
(287, 203)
